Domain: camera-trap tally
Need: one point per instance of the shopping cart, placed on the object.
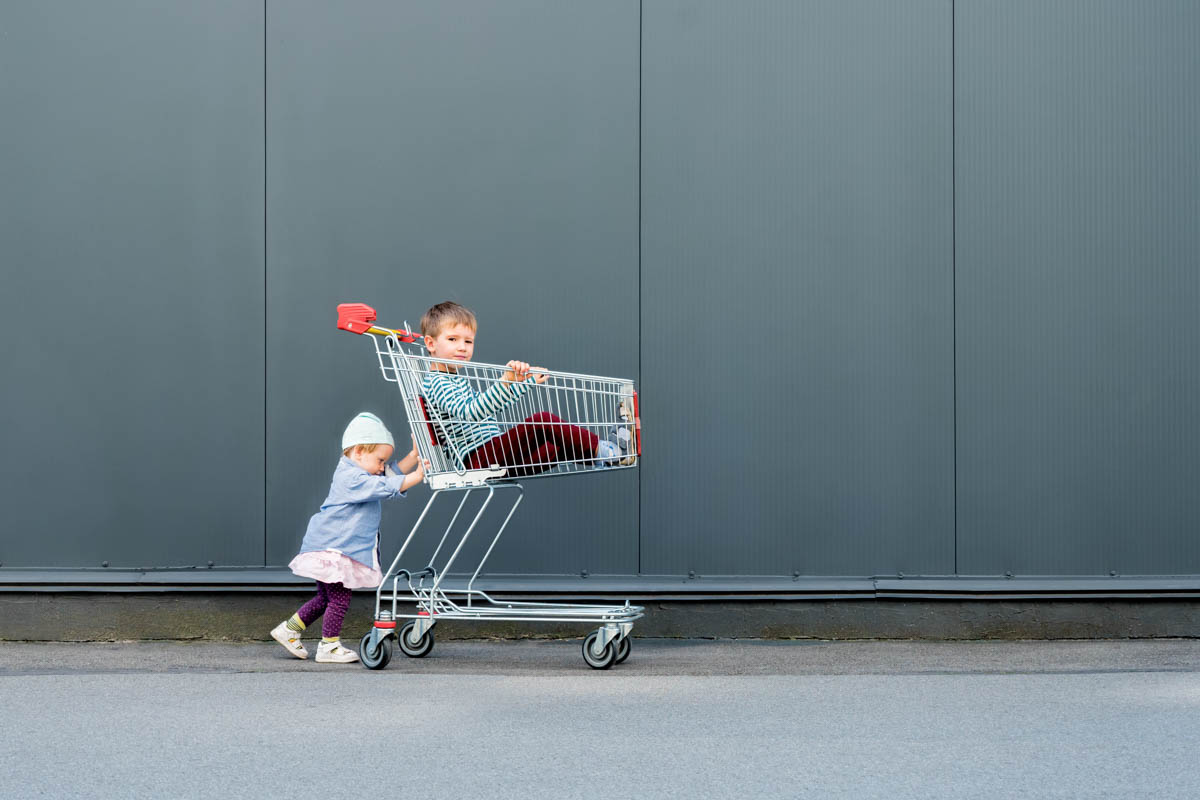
(605, 407)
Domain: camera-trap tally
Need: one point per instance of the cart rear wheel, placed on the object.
(623, 649)
(419, 648)
(607, 657)
(377, 657)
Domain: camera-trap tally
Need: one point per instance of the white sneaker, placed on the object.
(623, 439)
(607, 453)
(290, 639)
(334, 653)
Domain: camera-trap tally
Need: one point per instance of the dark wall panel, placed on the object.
(131, 210)
(797, 287)
(1078, 286)
(486, 155)
(847, 249)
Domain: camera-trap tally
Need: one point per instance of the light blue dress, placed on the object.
(347, 527)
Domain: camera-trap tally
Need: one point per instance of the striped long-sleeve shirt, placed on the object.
(468, 418)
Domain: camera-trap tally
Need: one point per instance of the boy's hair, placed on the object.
(444, 314)
(366, 448)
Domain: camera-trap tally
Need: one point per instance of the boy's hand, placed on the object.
(414, 453)
(517, 371)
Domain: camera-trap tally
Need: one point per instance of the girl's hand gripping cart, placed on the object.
(603, 407)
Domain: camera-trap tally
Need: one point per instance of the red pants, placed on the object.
(534, 446)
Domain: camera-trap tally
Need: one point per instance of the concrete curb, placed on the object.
(238, 616)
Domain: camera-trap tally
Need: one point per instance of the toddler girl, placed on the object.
(343, 537)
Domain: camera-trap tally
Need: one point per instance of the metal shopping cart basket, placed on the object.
(600, 406)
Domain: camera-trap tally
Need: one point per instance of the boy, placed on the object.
(468, 417)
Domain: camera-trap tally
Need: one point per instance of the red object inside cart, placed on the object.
(429, 425)
(637, 424)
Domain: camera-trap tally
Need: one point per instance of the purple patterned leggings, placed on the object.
(332, 600)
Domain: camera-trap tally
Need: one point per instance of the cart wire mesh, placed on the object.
(556, 424)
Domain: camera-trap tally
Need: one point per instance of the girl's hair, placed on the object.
(366, 448)
(444, 314)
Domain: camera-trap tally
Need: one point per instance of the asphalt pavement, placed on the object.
(681, 718)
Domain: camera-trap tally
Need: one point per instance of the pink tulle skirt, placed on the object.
(330, 566)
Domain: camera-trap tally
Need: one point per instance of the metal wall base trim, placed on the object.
(663, 587)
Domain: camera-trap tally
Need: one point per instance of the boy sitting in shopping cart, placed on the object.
(465, 419)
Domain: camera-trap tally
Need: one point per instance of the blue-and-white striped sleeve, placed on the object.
(454, 397)
(467, 417)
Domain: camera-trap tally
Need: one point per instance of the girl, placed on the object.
(343, 537)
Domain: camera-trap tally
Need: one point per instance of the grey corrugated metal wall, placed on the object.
(796, 255)
(131, 207)
(908, 287)
(1078, 286)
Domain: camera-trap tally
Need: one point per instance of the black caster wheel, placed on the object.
(377, 657)
(417, 649)
(607, 657)
(623, 649)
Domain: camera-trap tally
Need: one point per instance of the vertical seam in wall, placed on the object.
(639, 258)
(264, 532)
(954, 254)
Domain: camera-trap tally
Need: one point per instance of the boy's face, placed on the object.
(453, 343)
(375, 461)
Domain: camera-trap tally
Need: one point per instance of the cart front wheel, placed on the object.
(607, 657)
(376, 657)
(418, 648)
(623, 649)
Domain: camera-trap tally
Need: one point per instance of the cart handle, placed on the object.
(357, 318)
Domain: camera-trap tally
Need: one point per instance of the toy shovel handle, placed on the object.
(357, 318)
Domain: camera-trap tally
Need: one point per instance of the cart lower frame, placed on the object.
(603, 648)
